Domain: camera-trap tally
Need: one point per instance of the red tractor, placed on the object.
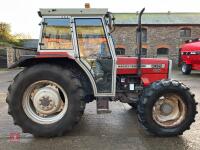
(190, 56)
(75, 64)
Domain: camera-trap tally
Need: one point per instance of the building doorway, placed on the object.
(3, 58)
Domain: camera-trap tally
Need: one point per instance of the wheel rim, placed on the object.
(45, 102)
(169, 110)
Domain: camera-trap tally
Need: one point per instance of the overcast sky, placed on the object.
(22, 14)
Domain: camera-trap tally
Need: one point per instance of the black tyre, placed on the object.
(186, 69)
(166, 108)
(46, 100)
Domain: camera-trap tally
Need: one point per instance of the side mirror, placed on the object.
(111, 21)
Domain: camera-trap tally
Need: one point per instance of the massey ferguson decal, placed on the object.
(153, 66)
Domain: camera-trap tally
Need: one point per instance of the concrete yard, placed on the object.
(117, 130)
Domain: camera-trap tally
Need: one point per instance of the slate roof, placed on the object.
(158, 18)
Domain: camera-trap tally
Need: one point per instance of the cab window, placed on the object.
(56, 34)
(91, 38)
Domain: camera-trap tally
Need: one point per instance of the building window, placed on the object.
(143, 52)
(144, 35)
(185, 32)
(162, 51)
(120, 51)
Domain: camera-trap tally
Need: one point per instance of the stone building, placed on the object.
(163, 33)
(7, 53)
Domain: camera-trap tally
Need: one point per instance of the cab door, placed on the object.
(96, 54)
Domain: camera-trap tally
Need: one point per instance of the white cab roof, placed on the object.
(72, 12)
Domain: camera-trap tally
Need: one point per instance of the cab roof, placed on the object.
(73, 12)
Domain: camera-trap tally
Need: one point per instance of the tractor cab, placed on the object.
(84, 35)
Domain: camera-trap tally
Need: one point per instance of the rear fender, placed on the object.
(27, 61)
(23, 62)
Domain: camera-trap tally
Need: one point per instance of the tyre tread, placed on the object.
(148, 92)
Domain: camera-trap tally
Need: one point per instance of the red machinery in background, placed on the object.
(189, 56)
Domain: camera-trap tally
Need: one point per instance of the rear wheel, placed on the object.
(46, 100)
(167, 108)
(186, 69)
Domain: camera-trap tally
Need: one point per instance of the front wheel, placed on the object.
(167, 108)
(186, 69)
(46, 100)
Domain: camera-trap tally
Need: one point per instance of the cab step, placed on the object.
(103, 106)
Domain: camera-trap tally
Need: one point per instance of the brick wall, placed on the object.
(10, 56)
(157, 37)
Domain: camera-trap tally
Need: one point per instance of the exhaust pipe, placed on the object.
(139, 39)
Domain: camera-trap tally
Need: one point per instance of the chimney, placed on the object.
(87, 5)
